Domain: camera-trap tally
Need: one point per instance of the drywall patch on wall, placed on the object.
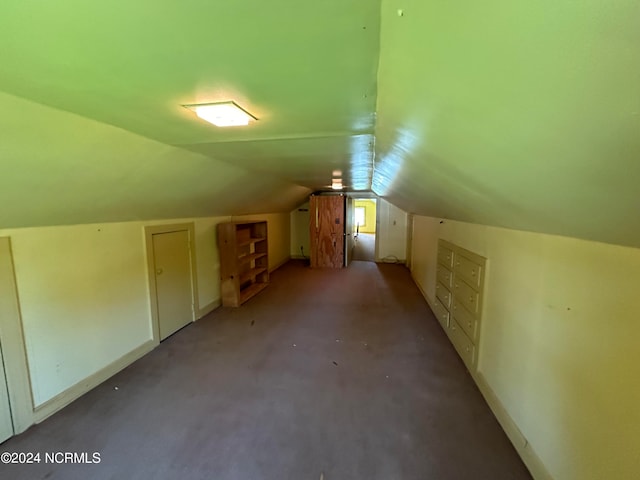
(558, 342)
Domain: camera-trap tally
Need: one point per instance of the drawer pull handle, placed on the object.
(471, 299)
(473, 273)
(467, 349)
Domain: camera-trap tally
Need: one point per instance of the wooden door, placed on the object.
(172, 262)
(327, 231)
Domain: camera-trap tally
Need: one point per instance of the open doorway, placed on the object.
(365, 229)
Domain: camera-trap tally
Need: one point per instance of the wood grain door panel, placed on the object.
(327, 231)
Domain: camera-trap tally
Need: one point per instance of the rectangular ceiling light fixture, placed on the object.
(222, 114)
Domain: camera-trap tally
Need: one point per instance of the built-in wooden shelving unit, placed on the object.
(244, 261)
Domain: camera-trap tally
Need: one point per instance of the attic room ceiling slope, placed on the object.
(523, 115)
(306, 70)
(108, 174)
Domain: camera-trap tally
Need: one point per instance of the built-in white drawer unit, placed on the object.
(442, 314)
(464, 346)
(458, 304)
(444, 275)
(445, 256)
(466, 295)
(468, 270)
(444, 294)
(465, 319)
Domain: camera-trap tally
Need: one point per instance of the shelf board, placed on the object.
(249, 241)
(252, 290)
(251, 273)
(250, 257)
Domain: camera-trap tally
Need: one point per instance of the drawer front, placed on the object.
(465, 319)
(462, 344)
(445, 256)
(445, 276)
(444, 295)
(441, 313)
(467, 296)
(468, 270)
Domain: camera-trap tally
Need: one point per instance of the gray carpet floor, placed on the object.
(343, 374)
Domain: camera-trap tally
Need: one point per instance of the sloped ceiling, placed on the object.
(517, 114)
(306, 70)
(59, 168)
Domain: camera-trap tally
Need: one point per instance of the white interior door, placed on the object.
(349, 243)
(172, 262)
(6, 425)
(16, 405)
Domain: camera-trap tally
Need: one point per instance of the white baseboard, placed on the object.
(525, 451)
(207, 309)
(519, 441)
(424, 294)
(51, 406)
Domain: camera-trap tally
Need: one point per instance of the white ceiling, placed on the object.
(522, 115)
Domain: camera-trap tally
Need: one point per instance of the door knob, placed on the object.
(159, 271)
